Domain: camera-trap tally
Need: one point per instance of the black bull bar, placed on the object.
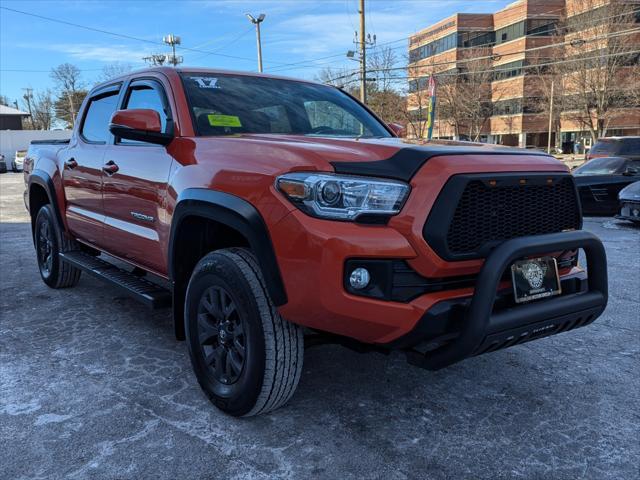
(485, 330)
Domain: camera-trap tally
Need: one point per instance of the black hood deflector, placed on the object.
(406, 162)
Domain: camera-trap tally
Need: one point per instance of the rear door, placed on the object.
(82, 166)
(135, 184)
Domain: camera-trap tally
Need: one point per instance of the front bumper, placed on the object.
(629, 210)
(485, 328)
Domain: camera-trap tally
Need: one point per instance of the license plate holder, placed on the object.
(535, 278)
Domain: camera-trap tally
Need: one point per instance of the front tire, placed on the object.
(49, 242)
(246, 357)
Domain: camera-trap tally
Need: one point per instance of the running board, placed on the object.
(152, 295)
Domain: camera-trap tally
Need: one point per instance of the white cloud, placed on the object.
(103, 53)
(90, 51)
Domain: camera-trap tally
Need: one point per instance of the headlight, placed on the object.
(342, 197)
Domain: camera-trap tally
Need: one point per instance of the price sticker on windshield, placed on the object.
(224, 120)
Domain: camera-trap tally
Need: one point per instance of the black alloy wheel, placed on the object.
(50, 241)
(45, 247)
(221, 331)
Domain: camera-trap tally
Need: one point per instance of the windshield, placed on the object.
(604, 146)
(601, 166)
(630, 146)
(223, 104)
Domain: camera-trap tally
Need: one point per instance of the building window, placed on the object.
(542, 27)
(513, 106)
(602, 16)
(476, 39)
(509, 70)
(510, 32)
(434, 48)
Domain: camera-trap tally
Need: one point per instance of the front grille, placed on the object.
(478, 212)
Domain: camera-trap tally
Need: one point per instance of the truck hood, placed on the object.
(382, 157)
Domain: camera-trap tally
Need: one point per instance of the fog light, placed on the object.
(359, 278)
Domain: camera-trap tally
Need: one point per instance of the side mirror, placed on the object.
(140, 124)
(398, 129)
(630, 172)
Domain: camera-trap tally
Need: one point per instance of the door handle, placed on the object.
(71, 163)
(110, 167)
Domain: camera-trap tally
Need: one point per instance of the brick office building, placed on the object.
(514, 45)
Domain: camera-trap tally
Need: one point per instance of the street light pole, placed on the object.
(257, 22)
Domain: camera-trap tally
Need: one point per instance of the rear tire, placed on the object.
(49, 242)
(246, 357)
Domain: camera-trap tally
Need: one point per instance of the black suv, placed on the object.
(628, 147)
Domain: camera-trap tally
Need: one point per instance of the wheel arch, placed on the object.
(233, 217)
(41, 192)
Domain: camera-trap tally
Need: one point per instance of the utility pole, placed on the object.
(363, 56)
(28, 96)
(173, 40)
(362, 41)
(257, 22)
(550, 118)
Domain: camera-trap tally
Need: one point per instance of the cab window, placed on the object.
(95, 127)
(147, 96)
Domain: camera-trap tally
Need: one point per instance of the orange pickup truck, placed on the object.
(271, 213)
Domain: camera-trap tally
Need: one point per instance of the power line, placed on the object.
(488, 57)
(307, 63)
(304, 63)
(492, 70)
(226, 45)
(17, 70)
(559, 62)
(123, 35)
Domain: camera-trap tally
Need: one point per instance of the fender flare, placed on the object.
(43, 179)
(235, 213)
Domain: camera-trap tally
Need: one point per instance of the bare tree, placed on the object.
(114, 70)
(42, 110)
(451, 103)
(550, 97)
(338, 77)
(4, 100)
(384, 98)
(465, 97)
(417, 103)
(381, 65)
(68, 82)
(603, 68)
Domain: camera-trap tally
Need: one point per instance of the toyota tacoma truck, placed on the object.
(270, 213)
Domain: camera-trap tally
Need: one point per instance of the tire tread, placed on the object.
(284, 342)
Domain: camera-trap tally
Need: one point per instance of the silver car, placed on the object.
(18, 161)
(630, 203)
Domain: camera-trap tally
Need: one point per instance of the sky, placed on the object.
(299, 37)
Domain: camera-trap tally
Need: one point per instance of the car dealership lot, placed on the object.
(92, 385)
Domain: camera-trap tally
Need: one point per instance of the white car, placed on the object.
(18, 161)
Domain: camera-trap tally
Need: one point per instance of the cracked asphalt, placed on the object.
(93, 385)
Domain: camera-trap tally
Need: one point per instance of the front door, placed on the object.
(135, 185)
(82, 167)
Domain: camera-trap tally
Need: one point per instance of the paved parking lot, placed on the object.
(92, 385)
